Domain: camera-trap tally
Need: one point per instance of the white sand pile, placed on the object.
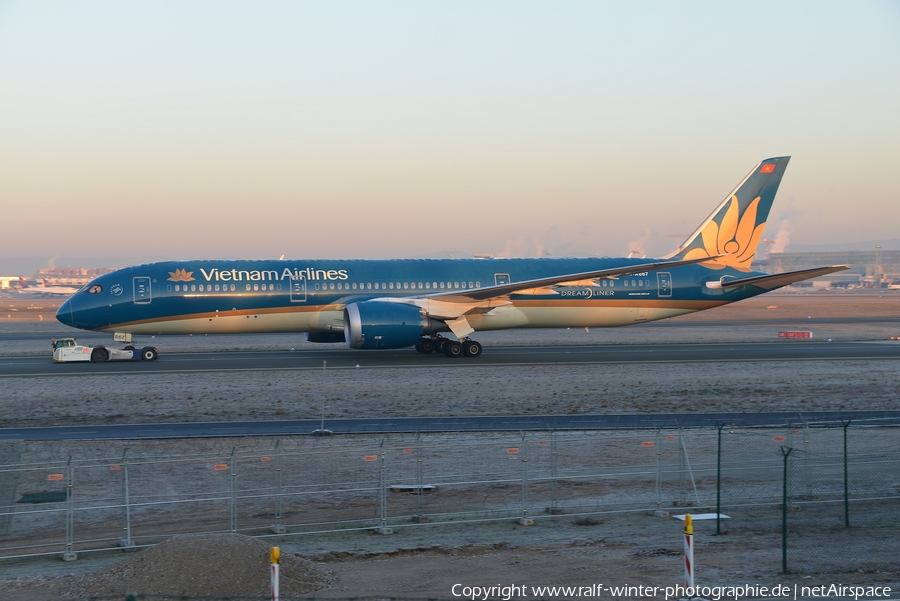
(216, 565)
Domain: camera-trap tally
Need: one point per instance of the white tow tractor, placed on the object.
(68, 349)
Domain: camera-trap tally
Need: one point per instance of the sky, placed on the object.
(137, 131)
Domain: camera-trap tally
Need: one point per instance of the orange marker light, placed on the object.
(647, 444)
(371, 457)
(512, 451)
(778, 439)
(220, 466)
(54, 477)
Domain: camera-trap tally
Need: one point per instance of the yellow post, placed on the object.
(274, 556)
(689, 554)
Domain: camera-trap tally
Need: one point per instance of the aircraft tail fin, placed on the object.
(735, 228)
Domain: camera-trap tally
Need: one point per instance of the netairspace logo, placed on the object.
(713, 593)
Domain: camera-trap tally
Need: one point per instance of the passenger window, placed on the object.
(456, 284)
(255, 287)
(640, 282)
(232, 287)
(248, 287)
(478, 284)
(392, 285)
(405, 285)
(193, 288)
(442, 285)
(177, 288)
(369, 286)
(471, 285)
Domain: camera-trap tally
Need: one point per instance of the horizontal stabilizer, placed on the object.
(777, 280)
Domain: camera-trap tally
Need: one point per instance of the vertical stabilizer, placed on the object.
(735, 228)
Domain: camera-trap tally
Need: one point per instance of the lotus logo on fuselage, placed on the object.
(181, 275)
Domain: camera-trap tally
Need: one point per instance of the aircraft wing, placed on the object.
(489, 292)
(777, 280)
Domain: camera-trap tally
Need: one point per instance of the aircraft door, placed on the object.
(142, 291)
(298, 290)
(664, 280)
(501, 278)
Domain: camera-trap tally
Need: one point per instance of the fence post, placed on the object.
(277, 528)
(233, 467)
(420, 482)
(784, 497)
(719, 481)
(554, 484)
(382, 495)
(126, 542)
(69, 554)
(846, 478)
(658, 472)
(524, 520)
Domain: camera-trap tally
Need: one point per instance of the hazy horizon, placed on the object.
(133, 132)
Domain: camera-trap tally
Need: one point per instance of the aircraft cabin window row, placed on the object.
(330, 286)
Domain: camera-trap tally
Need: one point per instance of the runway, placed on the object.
(343, 358)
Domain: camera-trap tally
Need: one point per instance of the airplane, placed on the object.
(398, 303)
(44, 290)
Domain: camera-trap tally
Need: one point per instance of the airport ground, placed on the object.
(425, 562)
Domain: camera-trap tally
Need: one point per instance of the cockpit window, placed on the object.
(95, 289)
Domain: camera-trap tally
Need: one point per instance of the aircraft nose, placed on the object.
(65, 313)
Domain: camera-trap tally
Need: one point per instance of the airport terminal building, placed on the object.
(874, 268)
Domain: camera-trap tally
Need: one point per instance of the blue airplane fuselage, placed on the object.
(308, 296)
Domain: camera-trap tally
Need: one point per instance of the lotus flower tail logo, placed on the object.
(181, 275)
(736, 237)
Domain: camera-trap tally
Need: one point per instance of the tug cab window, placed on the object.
(95, 289)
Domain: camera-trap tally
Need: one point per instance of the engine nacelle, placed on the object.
(379, 324)
(325, 337)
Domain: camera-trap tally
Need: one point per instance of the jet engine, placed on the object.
(382, 325)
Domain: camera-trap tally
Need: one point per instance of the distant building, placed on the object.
(68, 276)
(869, 268)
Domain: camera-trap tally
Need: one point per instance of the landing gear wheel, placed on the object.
(425, 346)
(148, 353)
(440, 343)
(453, 349)
(472, 348)
(99, 355)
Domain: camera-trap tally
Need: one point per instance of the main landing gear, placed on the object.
(450, 348)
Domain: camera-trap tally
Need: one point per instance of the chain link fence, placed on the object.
(830, 490)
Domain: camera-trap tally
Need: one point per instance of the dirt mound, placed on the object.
(226, 565)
